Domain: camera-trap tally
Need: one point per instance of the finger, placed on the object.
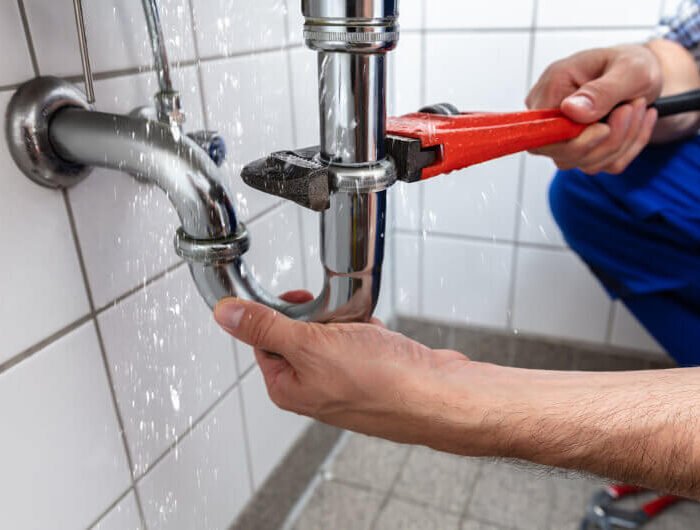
(633, 131)
(642, 140)
(297, 297)
(597, 98)
(620, 121)
(577, 148)
(261, 327)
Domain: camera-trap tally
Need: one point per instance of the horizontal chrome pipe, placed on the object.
(352, 229)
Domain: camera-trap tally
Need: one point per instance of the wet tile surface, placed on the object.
(336, 505)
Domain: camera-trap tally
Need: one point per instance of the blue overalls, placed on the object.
(639, 232)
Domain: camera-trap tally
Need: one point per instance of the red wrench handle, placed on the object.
(467, 139)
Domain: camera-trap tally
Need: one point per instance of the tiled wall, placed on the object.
(479, 247)
(122, 403)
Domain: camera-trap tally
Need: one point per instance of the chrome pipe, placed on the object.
(160, 51)
(84, 53)
(211, 238)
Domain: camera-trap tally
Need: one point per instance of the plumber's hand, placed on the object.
(355, 376)
(587, 86)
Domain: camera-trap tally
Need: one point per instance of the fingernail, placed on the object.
(581, 101)
(229, 314)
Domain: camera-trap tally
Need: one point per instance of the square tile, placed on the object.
(466, 282)
(335, 505)
(61, 452)
(275, 256)
(479, 201)
(248, 101)
(37, 229)
(440, 480)
(124, 516)
(570, 13)
(476, 85)
(407, 274)
(404, 201)
(628, 332)
(203, 482)
(571, 497)
(411, 14)
(304, 85)
(407, 80)
(538, 354)
(536, 222)
(606, 361)
(555, 294)
(15, 63)
(402, 515)
(429, 333)
(670, 7)
(116, 31)
(511, 497)
(486, 345)
(126, 227)
(271, 431)
(169, 361)
(225, 27)
(369, 462)
(295, 23)
(458, 14)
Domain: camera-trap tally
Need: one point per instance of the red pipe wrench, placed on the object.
(440, 139)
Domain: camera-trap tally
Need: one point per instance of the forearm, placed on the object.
(638, 427)
(680, 74)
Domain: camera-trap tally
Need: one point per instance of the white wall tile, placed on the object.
(246, 358)
(670, 7)
(628, 332)
(225, 27)
(456, 14)
(169, 362)
(536, 222)
(572, 13)
(411, 14)
(550, 46)
(305, 92)
(295, 22)
(407, 63)
(466, 282)
(477, 201)
(15, 64)
(407, 274)
(404, 204)
(124, 516)
(43, 288)
(116, 31)
(61, 451)
(203, 483)
(126, 228)
(248, 102)
(555, 294)
(471, 83)
(271, 431)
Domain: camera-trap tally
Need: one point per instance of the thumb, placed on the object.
(260, 327)
(597, 98)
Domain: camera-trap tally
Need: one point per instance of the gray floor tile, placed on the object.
(542, 355)
(438, 479)
(339, 506)
(570, 497)
(471, 524)
(601, 361)
(370, 462)
(512, 497)
(433, 335)
(402, 515)
(484, 345)
(683, 516)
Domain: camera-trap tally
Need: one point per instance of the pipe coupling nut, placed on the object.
(212, 251)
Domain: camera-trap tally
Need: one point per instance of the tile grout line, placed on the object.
(510, 317)
(109, 508)
(28, 36)
(390, 492)
(103, 351)
(481, 239)
(198, 65)
(190, 428)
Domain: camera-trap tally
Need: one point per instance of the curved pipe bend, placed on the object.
(352, 230)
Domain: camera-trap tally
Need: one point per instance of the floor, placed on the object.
(369, 483)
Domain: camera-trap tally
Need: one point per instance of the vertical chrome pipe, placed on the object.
(84, 53)
(160, 52)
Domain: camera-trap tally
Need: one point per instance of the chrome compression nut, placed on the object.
(212, 251)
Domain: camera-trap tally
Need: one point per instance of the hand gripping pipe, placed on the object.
(56, 138)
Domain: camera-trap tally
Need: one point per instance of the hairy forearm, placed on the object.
(680, 74)
(636, 427)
